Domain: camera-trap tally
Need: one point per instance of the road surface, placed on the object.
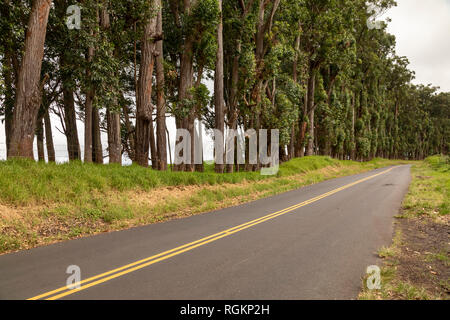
(312, 243)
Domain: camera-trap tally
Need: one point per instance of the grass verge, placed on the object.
(45, 203)
(416, 265)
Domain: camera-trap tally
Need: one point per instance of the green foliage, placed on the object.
(364, 102)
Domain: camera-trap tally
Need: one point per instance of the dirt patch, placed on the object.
(9, 213)
(423, 177)
(424, 254)
(160, 194)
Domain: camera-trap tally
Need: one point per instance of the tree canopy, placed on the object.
(322, 72)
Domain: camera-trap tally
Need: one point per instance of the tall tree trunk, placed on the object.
(88, 107)
(310, 105)
(130, 137)
(200, 167)
(29, 87)
(160, 99)
(9, 73)
(70, 120)
(153, 152)
(264, 26)
(114, 139)
(97, 147)
(353, 150)
(112, 116)
(292, 142)
(291, 147)
(144, 93)
(219, 94)
(9, 97)
(232, 112)
(185, 84)
(40, 139)
(303, 124)
(49, 137)
(233, 103)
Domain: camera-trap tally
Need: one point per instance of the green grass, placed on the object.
(25, 182)
(429, 192)
(441, 256)
(53, 202)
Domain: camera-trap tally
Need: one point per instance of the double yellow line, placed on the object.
(106, 276)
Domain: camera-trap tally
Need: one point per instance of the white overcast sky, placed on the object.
(422, 29)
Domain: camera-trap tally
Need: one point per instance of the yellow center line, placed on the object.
(115, 273)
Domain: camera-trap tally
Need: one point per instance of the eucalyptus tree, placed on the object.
(321, 71)
(14, 17)
(144, 112)
(161, 139)
(239, 63)
(191, 25)
(29, 84)
(219, 101)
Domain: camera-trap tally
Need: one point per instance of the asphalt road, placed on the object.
(319, 248)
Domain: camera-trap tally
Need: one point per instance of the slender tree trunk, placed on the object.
(88, 107)
(97, 147)
(185, 84)
(49, 138)
(114, 139)
(218, 93)
(73, 144)
(233, 105)
(233, 101)
(130, 134)
(29, 87)
(9, 97)
(396, 128)
(9, 74)
(310, 105)
(295, 79)
(160, 99)
(186, 78)
(170, 151)
(303, 124)
(112, 116)
(144, 94)
(291, 147)
(264, 26)
(353, 151)
(153, 152)
(200, 167)
(40, 139)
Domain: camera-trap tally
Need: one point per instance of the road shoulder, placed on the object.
(416, 265)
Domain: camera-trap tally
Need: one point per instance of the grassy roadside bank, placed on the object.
(41, 203)
(417, 264)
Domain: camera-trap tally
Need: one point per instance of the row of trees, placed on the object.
(314, 69)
